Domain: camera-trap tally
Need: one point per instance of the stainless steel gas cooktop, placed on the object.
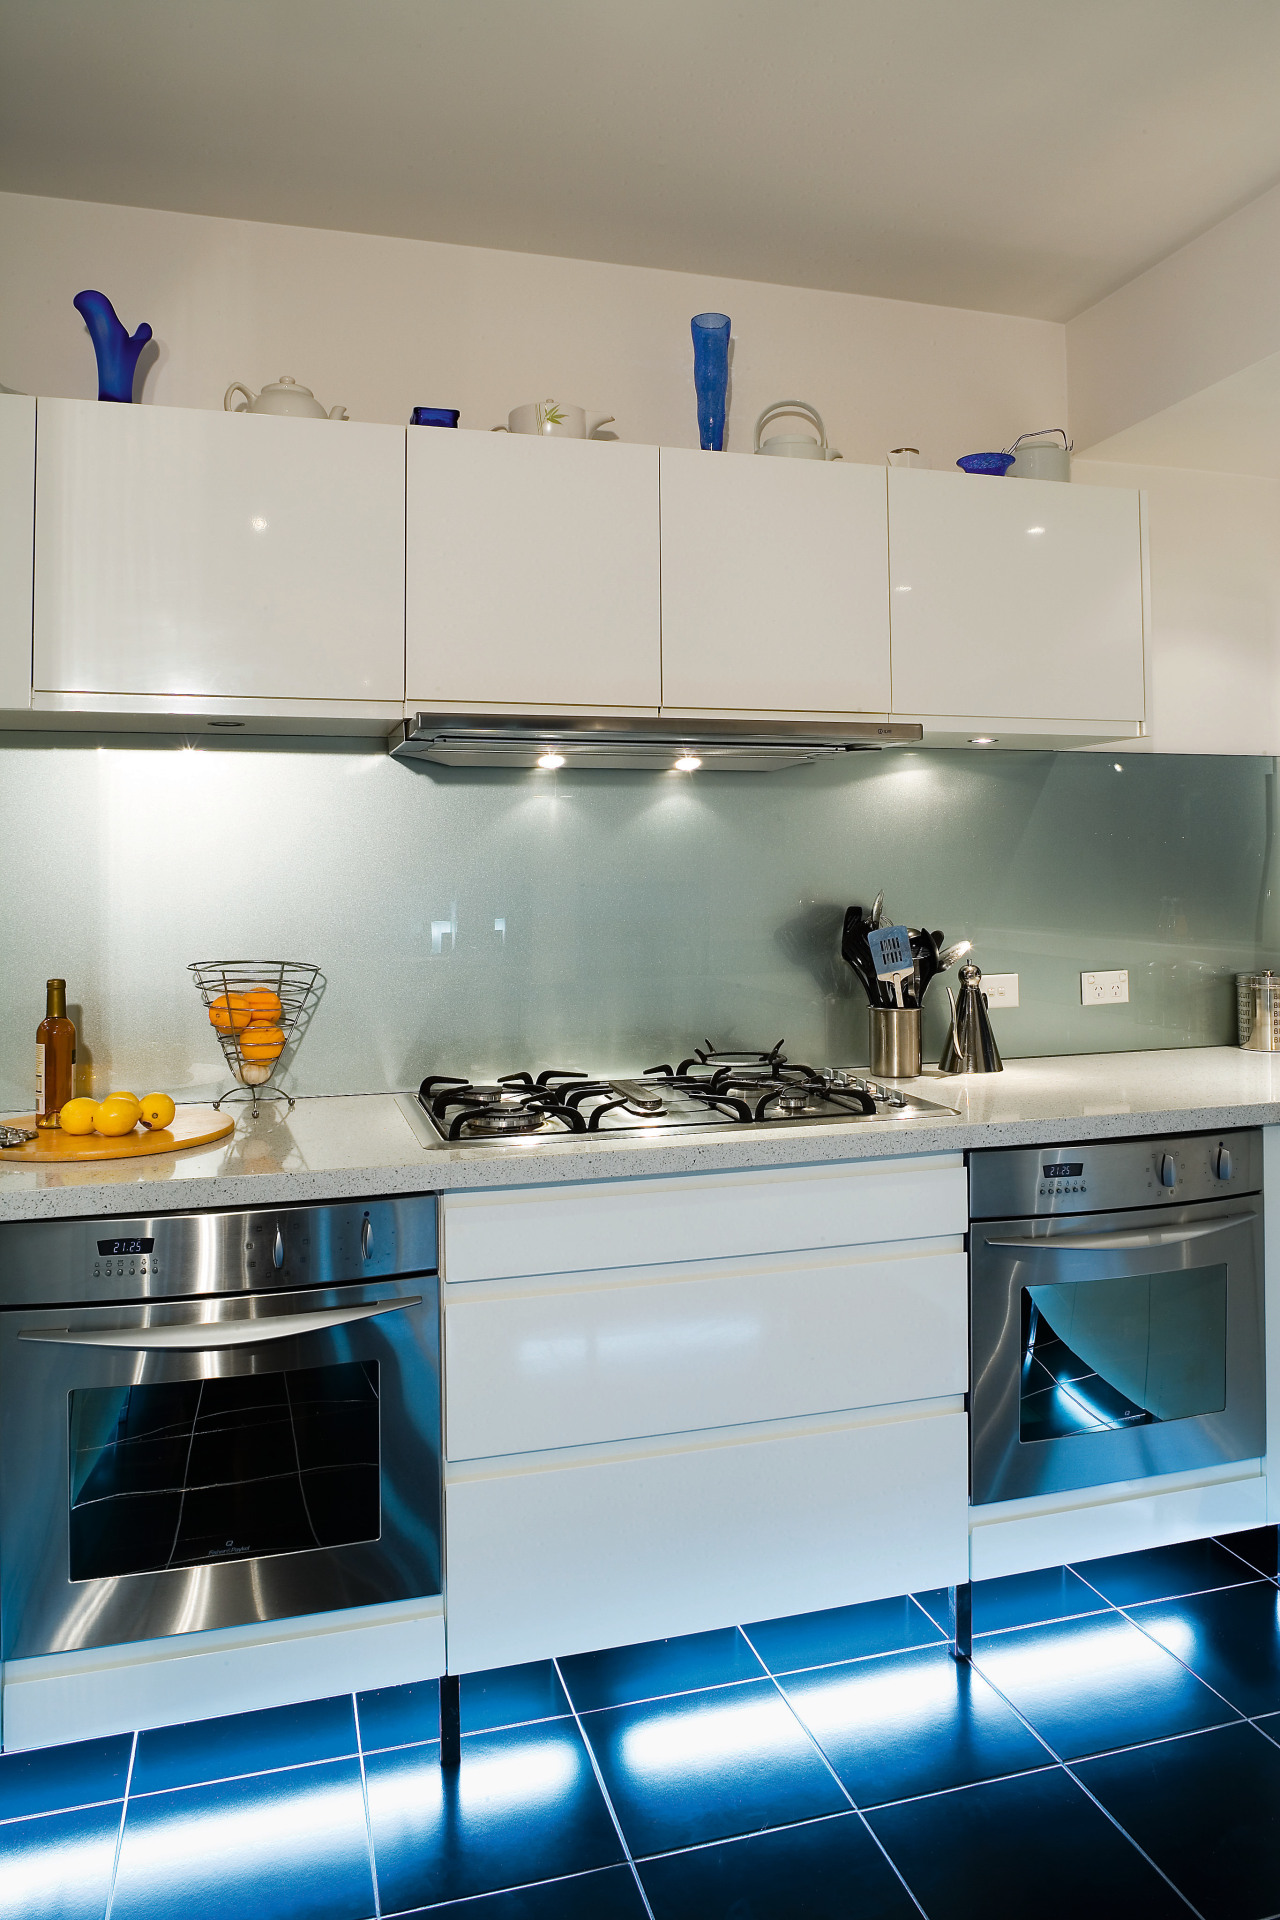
(709, 1089)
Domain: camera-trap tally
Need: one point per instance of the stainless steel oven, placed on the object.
(217, 1418)
(1115, 1311)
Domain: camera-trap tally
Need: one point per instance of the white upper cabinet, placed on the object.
(533, 572)
(774, 585)
(1015, 598)
(227, 556)
(17, 520)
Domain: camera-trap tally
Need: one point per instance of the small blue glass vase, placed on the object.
(711, 376)
(117, 351)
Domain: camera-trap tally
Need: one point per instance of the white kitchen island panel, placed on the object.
(570, 1362)
(506, 1233)
(576, 1551)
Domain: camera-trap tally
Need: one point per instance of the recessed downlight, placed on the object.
(1035, 529)
(985, 740)
(687, 763)
(551, 761)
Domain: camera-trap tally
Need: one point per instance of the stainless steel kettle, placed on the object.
(971, 1045)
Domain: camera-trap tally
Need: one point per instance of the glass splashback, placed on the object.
(469, 920)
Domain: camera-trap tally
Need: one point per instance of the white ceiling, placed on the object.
(1021, 156)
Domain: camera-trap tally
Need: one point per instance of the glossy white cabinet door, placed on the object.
(774, 584)
(532, 571)
(577, 1554)
(17, 524)
(624, 1355)
(505, 1233)
(200, 553)
(1015, 597)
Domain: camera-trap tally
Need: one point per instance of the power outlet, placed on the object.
(1001, 989)
(1105, 989)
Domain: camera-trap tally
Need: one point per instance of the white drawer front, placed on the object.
(568, 1557)
(625, 1223)
(721, 1344)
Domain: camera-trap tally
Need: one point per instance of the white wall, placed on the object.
(1208, 311)
(1215, 605)
(379, 325)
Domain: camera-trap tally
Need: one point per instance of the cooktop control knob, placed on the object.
(1168, 1170)
(1222, 1163)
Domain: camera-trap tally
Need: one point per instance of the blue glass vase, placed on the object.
(117, 351)
(711, 376)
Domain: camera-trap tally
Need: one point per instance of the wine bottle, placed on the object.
(55, 1056)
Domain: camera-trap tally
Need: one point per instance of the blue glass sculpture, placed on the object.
(711, 376)
(117, 351)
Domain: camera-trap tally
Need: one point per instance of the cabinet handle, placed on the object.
(208, 1337)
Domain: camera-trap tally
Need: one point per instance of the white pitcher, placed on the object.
(796, 446)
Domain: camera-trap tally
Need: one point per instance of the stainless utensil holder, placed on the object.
(1258, 1011)
(895, 1042)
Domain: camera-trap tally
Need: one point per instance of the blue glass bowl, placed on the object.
(996, 464)
(434, 417)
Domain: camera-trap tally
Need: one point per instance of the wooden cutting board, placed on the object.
(190, 1127)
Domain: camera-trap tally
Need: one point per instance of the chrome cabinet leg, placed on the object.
(450, 1721)
(960, 1621)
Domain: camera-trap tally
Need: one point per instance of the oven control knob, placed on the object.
(277, 1251)
(366, 1238)
(1222, 1163)
(1168, 1170)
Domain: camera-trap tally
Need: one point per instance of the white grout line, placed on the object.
(368, 1823)
(608, 1798)
(857, 1810)
(124, 1808)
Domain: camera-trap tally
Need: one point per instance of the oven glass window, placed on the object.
(197, 1471)
(1102, 1355)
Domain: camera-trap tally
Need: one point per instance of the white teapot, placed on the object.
(284, 396)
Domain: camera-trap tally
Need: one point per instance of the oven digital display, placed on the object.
(1064, 1170)
(115, 1247)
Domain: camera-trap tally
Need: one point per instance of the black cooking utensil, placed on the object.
(854, 948)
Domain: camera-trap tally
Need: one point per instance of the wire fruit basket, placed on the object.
(259, 1010)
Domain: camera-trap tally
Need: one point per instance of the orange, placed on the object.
(78, 1116)
(229, 1013)
(115, 1116)
(157, 1110)
(261, 1043)
(264, 1006)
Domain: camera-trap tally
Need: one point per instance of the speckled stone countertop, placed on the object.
(355, 1146)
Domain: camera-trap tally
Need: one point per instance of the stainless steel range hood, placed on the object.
(656, 745)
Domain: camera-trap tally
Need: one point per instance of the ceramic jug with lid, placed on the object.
(283, 396)
(796, 446)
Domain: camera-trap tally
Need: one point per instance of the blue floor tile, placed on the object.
(841, 1633)
(705, 1765)
(608, 1894)
(501, 1697)
(200, 1751)
(911, 1723)
(621, 1675)
(286, 1844)
(1091, 1684)
(1256, 1546)
(48, 1779)
(824, 1870)
(58, 1867)
(524, 1805)
(1030, 1599)
(1231, 1639)
(1163, 1573)
(1207, 1811)
(1034, 1848)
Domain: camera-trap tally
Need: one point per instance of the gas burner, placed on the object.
(713, 1087)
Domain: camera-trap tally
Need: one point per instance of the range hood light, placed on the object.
(687, 763)
(550, 761)
(985, 740)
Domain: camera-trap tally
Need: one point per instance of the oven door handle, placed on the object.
(1127, 1238)
(209, 1335)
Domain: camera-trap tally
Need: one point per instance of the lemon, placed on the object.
(78, 1116)
(116, 1115)
(121, 1095)
(157, 1109)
